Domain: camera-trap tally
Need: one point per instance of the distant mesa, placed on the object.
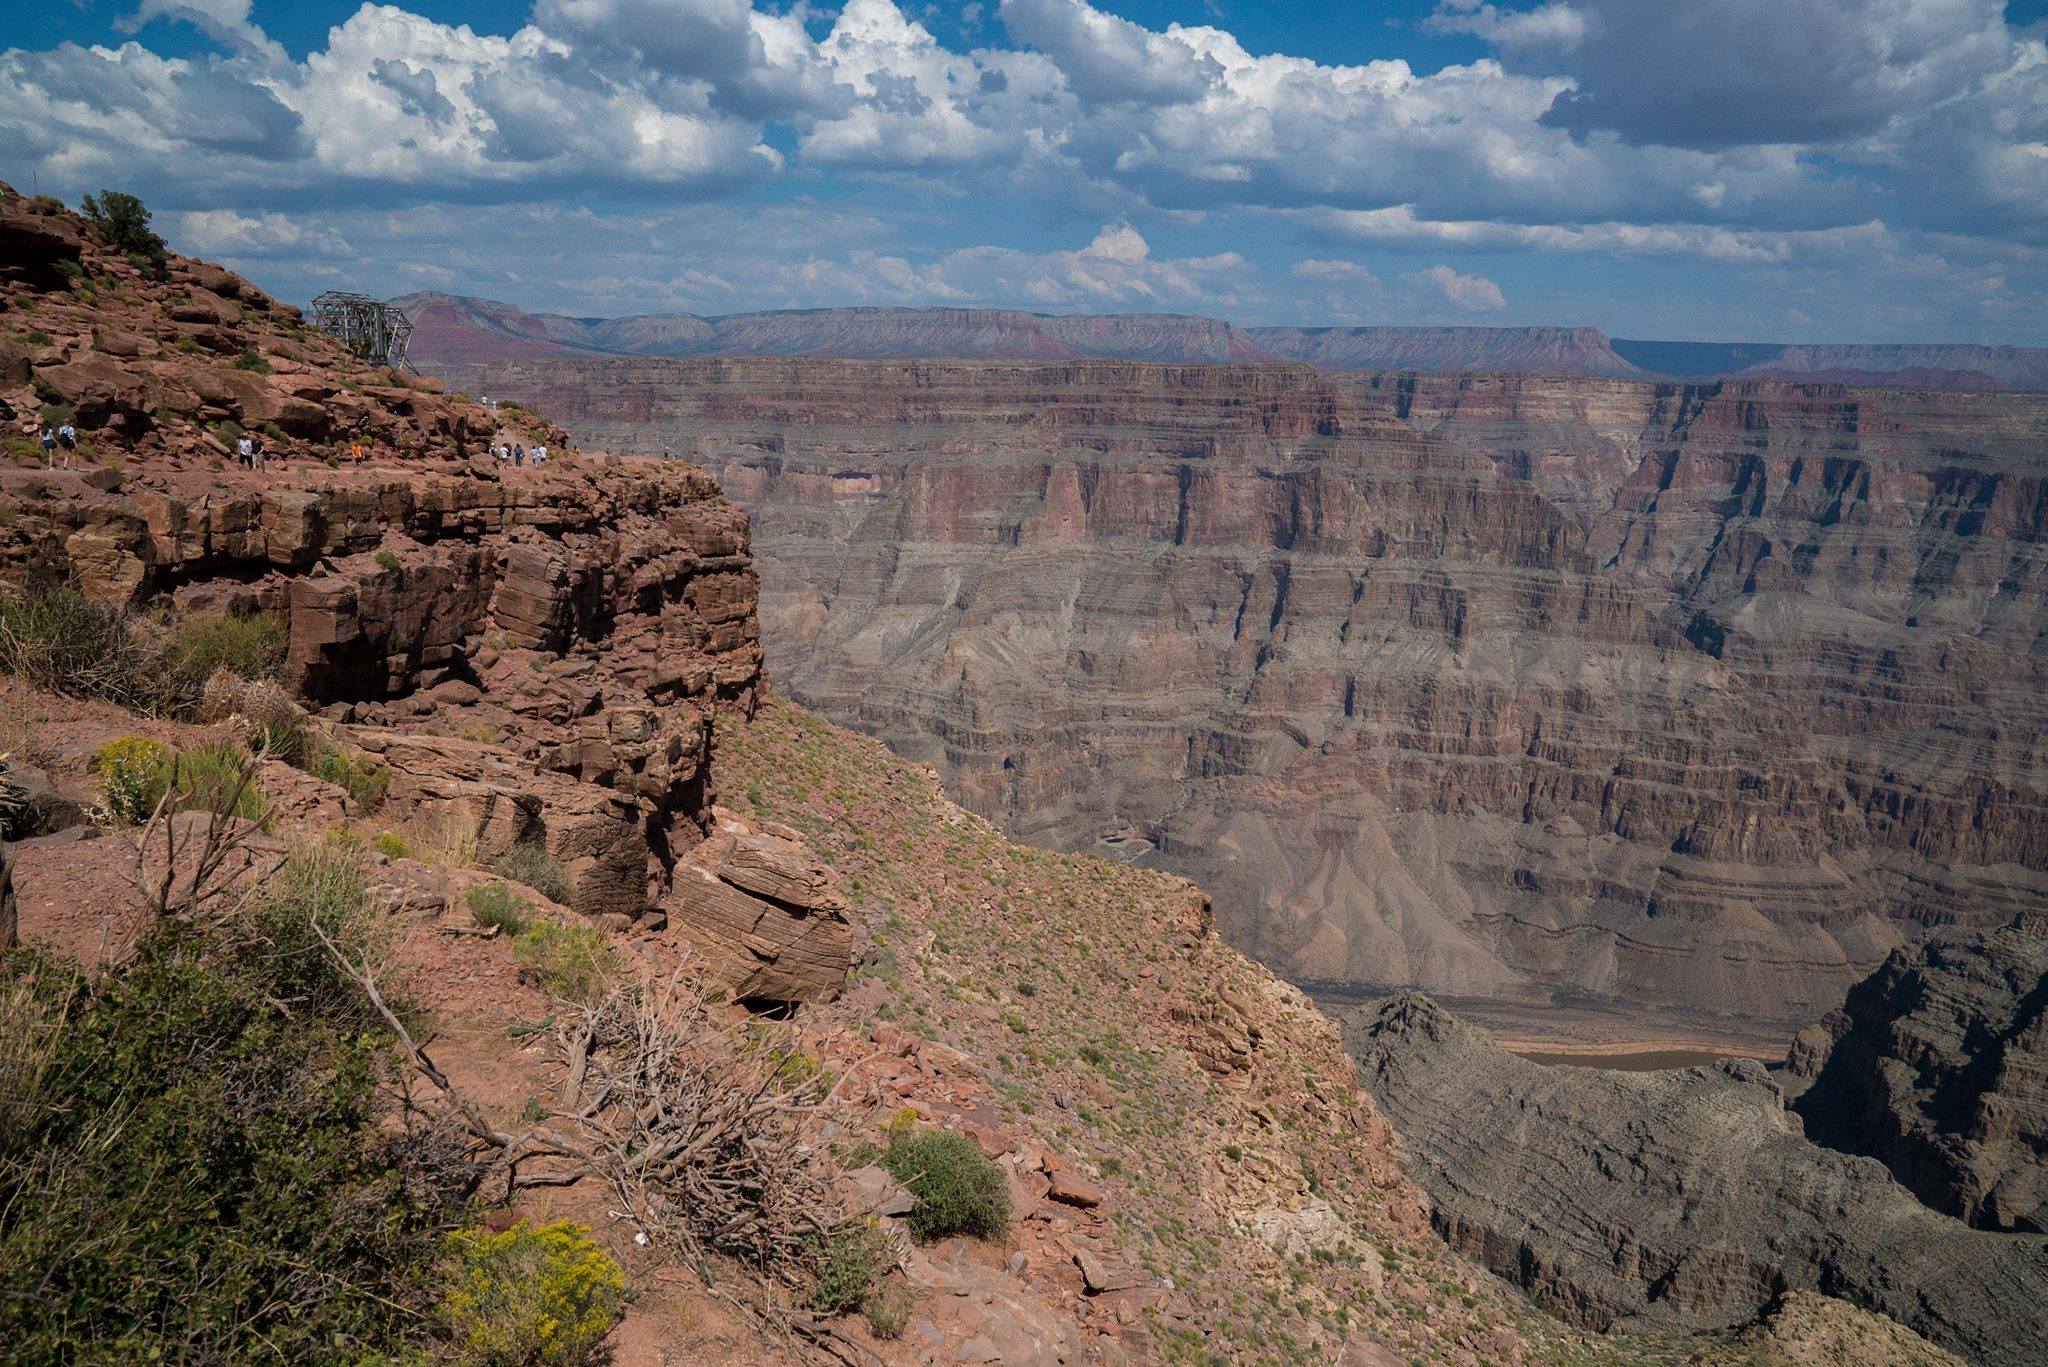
(454, 330)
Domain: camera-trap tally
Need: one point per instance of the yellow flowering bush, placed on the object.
(135, 773)
(533, 1296)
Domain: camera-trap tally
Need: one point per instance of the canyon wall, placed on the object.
(1685, 1199)
(1697, 697)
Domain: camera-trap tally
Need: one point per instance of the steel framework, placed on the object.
(370, 328)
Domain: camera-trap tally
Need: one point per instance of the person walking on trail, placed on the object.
(245, 452)
(67, 438)
(518, 453)
(49, 440)
(540, 454)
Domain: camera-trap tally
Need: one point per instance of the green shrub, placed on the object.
(187, 345)
(888, 1310)
(57, 414)
(366, 781)
(570, 962)
(856, 1257)
(203, 1177)
(319, 884)
(205, 776)
(57, 638)
(392, 845)
(533, 1296)
(250, 360)
(124, 222)
(958, 1190)
(497, 906)
(38, 337)
(135, 774)
(249, 646)
(387, 560)
(529, 862)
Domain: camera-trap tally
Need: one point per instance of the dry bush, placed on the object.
(705, 1141)
(57, 638)
(22, 734)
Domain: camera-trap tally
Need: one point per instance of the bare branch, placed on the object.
(513, 1148)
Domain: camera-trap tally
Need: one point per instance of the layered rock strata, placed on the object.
(770, 919)
(587, 622)
(536, 654)
(1701, 697)
(1688, 1199)
(1937, 1065)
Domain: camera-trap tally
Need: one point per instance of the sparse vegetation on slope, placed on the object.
(191, 1171)
(1106, 1015)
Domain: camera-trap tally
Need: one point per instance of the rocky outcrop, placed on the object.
(1937, 1065)
(1688, 1199)
(769, 918)
(1697, 697)
(536, 653)
(172, 362)
(591, 619)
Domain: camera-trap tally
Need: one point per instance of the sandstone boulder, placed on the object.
(769, 919)
(99, 389)
(34, 242)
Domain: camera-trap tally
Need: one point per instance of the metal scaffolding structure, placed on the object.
(370, 328)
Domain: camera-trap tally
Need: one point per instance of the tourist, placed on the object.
(257, 456)
(518, 454)
(245, 452)
(540, 454)
(67, 437)
(49, 440)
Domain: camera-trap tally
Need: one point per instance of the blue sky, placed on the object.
(1792, 170)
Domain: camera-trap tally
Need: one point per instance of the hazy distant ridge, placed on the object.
(457, 330)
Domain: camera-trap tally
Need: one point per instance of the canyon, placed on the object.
(1544, 689)
(1696, 698)
(515, 706)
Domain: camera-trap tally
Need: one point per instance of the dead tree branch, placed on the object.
(513, 1149)
(703, 1139)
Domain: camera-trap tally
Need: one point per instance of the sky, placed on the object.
(1765, 170)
